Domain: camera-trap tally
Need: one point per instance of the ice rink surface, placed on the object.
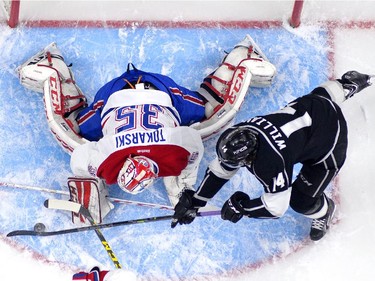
(208, 249)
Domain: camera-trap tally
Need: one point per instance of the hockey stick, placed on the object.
(100, 226)
(78, 208)
(112, 199)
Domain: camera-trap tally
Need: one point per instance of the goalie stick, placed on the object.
(73, 207)
(112, 199)
(78, 208)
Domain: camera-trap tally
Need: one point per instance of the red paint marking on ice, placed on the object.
(35, 255)
(161, 24)
(332, 28)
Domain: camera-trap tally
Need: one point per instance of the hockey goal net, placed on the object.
(11, 10)
(31, 13)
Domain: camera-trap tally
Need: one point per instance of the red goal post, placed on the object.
(295, 19)
(12, 12)
(11, 9)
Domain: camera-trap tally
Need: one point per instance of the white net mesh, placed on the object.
(5, 7)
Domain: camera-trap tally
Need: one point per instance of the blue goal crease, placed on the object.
(30, 155)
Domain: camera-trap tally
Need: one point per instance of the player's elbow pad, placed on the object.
(219, 171)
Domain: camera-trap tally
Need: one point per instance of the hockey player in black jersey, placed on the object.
(311, 130)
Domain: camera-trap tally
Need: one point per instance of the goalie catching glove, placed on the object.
(233, 209)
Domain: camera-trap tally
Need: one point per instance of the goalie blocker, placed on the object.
(92, 194)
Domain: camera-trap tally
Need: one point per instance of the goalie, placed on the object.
(141, 125)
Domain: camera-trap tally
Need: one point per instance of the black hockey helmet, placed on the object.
(237, 146)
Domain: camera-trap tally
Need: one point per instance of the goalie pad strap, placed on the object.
(218, 79)
(63, 128)
(233, 100)
(46, 72)
(84, 191)
(59, 100)
(212, 95)
(53, 56)
(230, 66)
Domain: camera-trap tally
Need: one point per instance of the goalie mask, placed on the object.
(237, 146)
(137, 174)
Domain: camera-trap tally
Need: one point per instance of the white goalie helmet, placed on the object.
(137, 174)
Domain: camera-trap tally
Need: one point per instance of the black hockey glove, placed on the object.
(185, 211)
(232, 209)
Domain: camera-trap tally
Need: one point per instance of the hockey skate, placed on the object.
(319, 227)
(354, 82)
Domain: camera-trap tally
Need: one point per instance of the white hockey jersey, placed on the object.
(139, 123)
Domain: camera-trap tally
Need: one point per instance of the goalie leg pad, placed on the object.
(32, 76)
(225, 89)
(49, 64)
(92, 194)
(47, 72)
(263, 72)
(61, 111)
(217, 84)
(222, 114)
